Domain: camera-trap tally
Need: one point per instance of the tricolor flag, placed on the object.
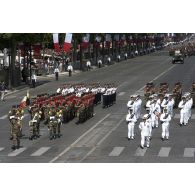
(25, 101)
(67, 42)
(56, 42)
(85, 41)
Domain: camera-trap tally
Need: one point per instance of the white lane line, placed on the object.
(4, 116)
(76, 141)
(40, 151)
(100, 142)
(140, 152)
(157, 77)
(121, 93)
(164, 152)
(17, 152)
(116, 151)
(189, 152)
(1, 149)
(176, 116)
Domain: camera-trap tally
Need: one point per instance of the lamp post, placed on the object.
(10, 70)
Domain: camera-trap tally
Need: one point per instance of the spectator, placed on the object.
(34, 80)
(2, 89)
(70, 69)
(56, 72)
(88, 64)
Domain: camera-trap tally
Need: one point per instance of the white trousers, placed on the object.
(154, 120)
(145, 139)
(130, 130)
(165, 130)
(183, 117)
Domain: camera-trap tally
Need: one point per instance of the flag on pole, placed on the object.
(67, 42)
(85, 41)
(56, 42)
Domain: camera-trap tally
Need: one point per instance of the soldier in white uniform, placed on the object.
(149, 102)
(189, 107)
(130, 103)
(144, 126)
(168, 102)
(155, 111)
(183, 106)
(138, 104)
(165, 119)
(149, 120)
(131, 119)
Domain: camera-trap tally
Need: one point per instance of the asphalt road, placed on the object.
(103, 138)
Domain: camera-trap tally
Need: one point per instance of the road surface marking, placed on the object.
(76, 141)
(40, 151)
(4, 116)
(1, 149)
(140, 152)
(116, 151)
(177, 116)
(161, 74)
(121, 93)
(164, 152)
(189, 152)
(100, 142)
(16, 152)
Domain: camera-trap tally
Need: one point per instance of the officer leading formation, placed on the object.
(158, 110)
(70, 101)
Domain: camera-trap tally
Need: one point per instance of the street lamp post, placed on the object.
(10, 70)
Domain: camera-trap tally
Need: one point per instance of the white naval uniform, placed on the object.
(149, 120)
(165, 125)
(183, 112)
(189, 112)
(169, 105)
(138, 104)
(130, 104)
(154, 108)
(131, 119)
(145, 132)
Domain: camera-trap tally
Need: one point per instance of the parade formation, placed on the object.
(70, 101)
(159, 105)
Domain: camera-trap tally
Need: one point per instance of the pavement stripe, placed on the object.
(69, 147)
(40, 151)
(116, 151)
(4, 116)
(1, 149)
(121, 93)
(17, 152)
(189, 152)
(177, 116)
(164, 152)
(140, 152)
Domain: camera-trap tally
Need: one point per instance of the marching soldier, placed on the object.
(52, 126)
(34, 127)
(11, 115)
(168, 102)
(149, 120)
(137, 107)
(165, 118)
(190, 104)
(131, 119)
(155, 113)
(183, 106)
(144, 126)
(59, 119)
(15, 133)
(20, 115)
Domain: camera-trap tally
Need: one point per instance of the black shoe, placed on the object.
(162, 139)
(128, 138)
(13, 147)
(141, 147)
(180, 125)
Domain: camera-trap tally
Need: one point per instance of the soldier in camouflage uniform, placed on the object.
(52, 125)
(15, 133)
(35, 126)
(11, 114)
(59, 119)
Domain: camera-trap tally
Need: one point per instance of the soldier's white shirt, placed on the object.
(165, 120)
(58, 90)
(182, 106)
(190, 103)
(159, 101)
(130, 104)
(148, 104)
(131, 119)
(94, 90)
(155, 107)
(88, 63)
(145, 128)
